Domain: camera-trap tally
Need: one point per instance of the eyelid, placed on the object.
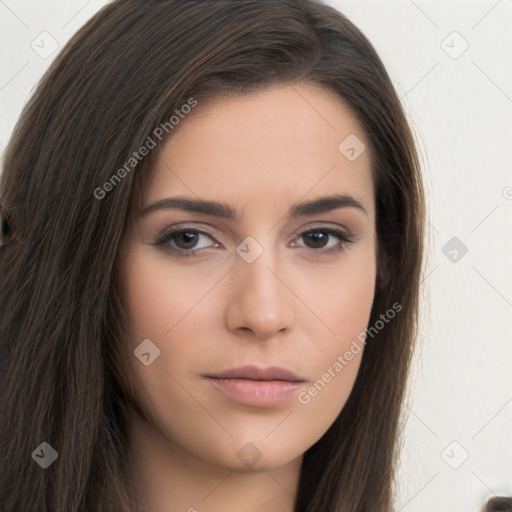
(328, 226)
(176, 228)
(342, 233)
(163, 237)
(204, 228)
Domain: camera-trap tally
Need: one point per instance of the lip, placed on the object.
(264, 387)
(258, 374)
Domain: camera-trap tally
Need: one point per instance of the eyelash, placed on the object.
(164, 238)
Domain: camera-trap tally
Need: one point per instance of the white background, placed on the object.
(460, 105)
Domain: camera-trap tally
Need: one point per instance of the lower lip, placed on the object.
(258, 392)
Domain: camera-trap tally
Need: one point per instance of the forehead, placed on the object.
(279, 144)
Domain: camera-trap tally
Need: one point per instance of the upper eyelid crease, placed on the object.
(224, 211)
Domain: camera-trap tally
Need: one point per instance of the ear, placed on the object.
(6, 227)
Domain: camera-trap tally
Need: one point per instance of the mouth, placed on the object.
(271, 373)
(250, 385)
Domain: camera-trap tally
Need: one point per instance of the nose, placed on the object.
(260, 301)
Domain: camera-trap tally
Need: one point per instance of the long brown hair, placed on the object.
(121, 76)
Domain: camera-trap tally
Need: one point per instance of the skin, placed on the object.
(294, 306)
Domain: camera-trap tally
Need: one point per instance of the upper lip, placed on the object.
(255, 373)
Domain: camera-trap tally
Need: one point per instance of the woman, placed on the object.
(213, 239)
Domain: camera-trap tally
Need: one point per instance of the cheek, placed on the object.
(335, 362)
(341, 297)
(158, 297)
(172, 309)
(344, 306)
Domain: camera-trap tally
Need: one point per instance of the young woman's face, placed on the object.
(263, 279)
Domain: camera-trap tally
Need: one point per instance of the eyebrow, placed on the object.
(224, 211)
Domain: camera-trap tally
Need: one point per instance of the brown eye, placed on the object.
(184, 241)
(319, 239)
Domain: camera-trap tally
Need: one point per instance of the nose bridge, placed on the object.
(259, 275)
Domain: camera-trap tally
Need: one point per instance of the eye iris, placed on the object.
(189, 238)
(319, 239)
